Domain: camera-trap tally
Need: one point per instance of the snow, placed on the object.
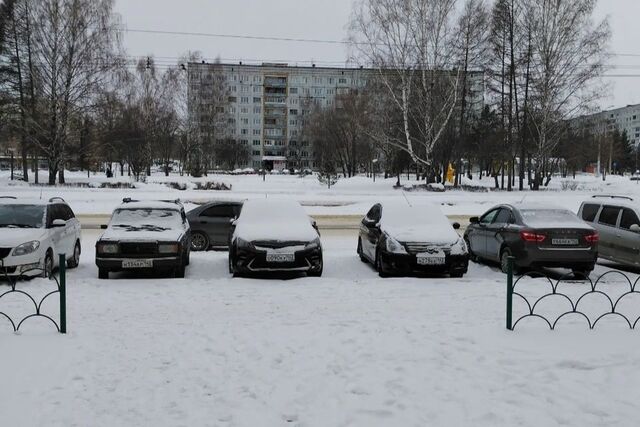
(552, 218)
(417, 223)
(347, 349)
(155, 221)
(274, 219)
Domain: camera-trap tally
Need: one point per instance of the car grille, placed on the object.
(417, 248)
(138, 248)
(276, 244)
(4, 252)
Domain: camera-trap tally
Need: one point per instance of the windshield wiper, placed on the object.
(17, 225)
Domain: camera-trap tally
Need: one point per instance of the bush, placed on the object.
(177, 185)
(569, 185)
(117, 185)
(212, 185)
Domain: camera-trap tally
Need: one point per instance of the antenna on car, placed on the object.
(523, 197)
(405, 197)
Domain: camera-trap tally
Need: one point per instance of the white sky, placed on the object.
(316, 19)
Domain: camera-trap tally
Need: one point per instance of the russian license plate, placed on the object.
(281, 257)
(431, 259)
(564, 242)
(137, 263)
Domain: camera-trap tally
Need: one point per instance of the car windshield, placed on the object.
(22, 216)
(547, 215)
(141, 218)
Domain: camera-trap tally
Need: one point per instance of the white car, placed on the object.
(34, 233)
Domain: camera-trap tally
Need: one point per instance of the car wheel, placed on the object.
(75, 259)
(456, 275)
(582, 273)
(199, 242)
(318, 272)
(103, 273)
(232, 268)
(504, 261)
(472, 256)
(48, 264)
(379, 267)
(360, 254)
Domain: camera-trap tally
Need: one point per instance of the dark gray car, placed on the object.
(211, 224)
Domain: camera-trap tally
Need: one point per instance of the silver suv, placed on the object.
(617, 219)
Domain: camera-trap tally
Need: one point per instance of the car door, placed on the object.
(478, 237)
(494, 232)
(73, 228)
(216, 222)
(370, 231)
(628, 242)
(607, 226)
(59, 240)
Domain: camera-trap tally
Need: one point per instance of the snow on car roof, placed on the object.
(274, 219)
(151, 204)
(532, 206)
(28, 201)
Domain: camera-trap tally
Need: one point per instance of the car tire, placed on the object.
(472, 256)
(379, 267)
(359, 250)
(582, 273)
(318, 272)
(48, 264)
(75, 259)
(103, 273)
(504, 256)
(232, 269)
(199, 241)
(456, 275)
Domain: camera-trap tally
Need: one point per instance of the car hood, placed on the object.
(275, 232)
(12, 237)
(425, 233)
(142, 233)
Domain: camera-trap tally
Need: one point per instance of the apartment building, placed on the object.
(269, 103)
(623, 119)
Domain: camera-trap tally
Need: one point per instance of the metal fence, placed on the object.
(61, 283)
(594, 288)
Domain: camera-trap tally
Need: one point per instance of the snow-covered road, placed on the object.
(347, 349)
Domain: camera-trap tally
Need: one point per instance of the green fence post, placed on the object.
(63, 293)
(510, 293)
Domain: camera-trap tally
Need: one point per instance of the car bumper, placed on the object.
(116, 264)
(408, 263)
(534, 257)
(255, 261)
(30, 265)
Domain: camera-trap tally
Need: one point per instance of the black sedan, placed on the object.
(211, 224)
(536, 236)
(274, 235)
(398, 238)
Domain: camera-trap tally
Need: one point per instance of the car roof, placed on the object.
(623, 201)
(10, 200)
(151, 204)
(532, 206)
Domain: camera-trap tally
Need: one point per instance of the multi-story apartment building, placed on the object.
(269, 103)
(624, 119)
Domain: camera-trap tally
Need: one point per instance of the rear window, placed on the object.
(541, 215)
(589, 212)
(609, 215)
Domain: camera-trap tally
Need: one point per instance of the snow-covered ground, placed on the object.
(347, 349)
(348, 196)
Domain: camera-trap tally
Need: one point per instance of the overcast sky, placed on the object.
(321, 20)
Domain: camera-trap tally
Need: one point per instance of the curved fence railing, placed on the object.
(12, 281)
(593, 288)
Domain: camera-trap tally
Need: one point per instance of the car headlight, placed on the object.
(241, 243)
(107, 248)
(26, 248)
(394, 246)
(459, 247)
(313, 245)
(168, 248)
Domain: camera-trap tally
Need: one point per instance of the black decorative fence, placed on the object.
(593, 288)
(61, 290)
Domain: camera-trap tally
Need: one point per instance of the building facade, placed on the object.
(269, 103)
(624, 119)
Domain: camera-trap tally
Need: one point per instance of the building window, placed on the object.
(244, 110)
(293, 122)
(257, 89)
(232, 99)
(257, 131)
(342, 80)
(244, 131)
(244, 121)
(293, 112)
(257, 100)
(293, 90)
(256, 152)
(256, 142)
(244, 100)
(256, 121)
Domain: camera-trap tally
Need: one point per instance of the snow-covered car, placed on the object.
(34, 233)
(274, 235)
(399, 238)
(145, 235)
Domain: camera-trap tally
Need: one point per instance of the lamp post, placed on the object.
(12, 160)
(375, 163)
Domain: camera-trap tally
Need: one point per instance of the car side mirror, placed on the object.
(635, 228)
(369, 223)
(103, 226)
(456, 225)
(58, 223)
(474, 220)
(233, 221)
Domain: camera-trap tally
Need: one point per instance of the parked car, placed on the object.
(145, 236)
(211, 224)
(398, 238)
(274, 235)
(34, 233)
(536, 236)
(617, 220)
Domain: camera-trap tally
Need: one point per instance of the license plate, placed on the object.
(565, 242)
(431, 259)
(281, 257)
(137, 263)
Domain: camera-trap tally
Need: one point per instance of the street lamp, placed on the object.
(375, 162)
